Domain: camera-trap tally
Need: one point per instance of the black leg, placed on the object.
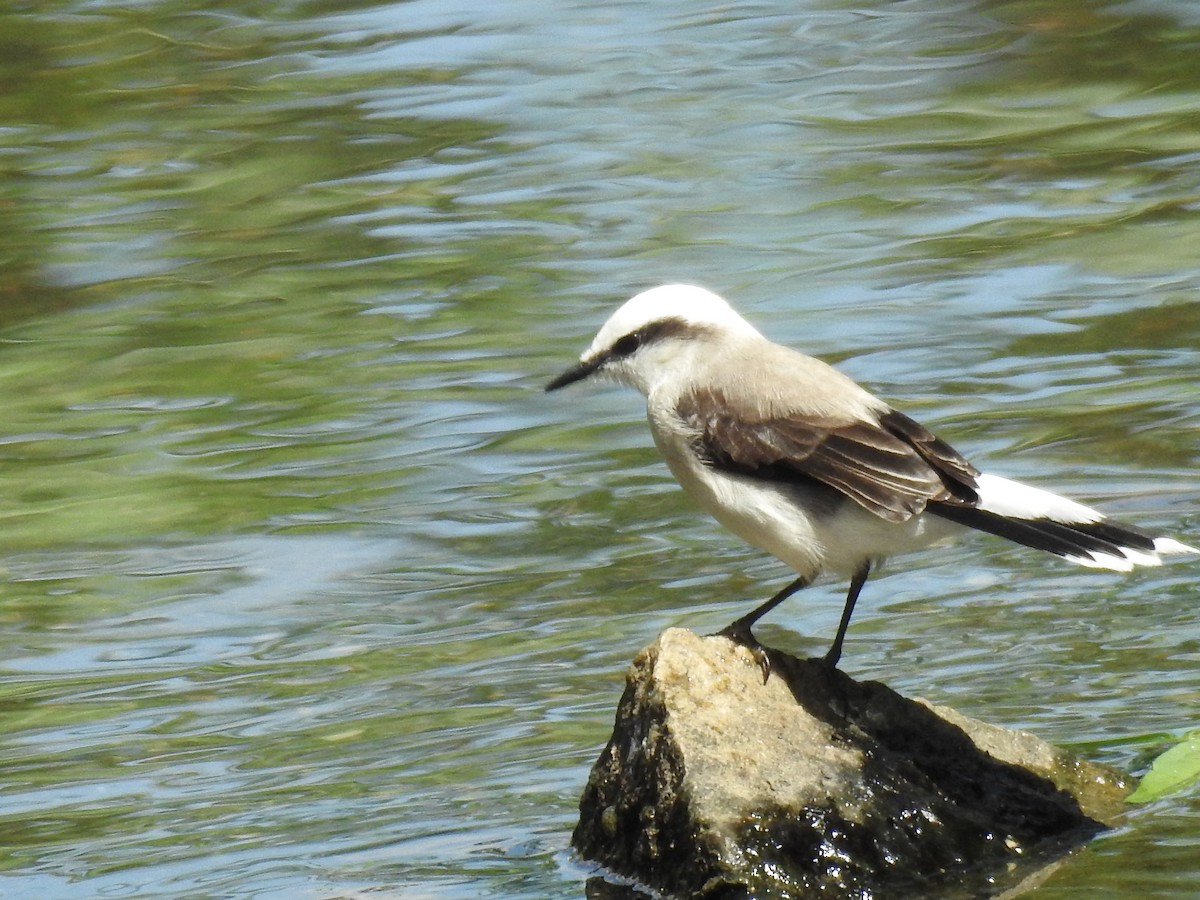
(739, 630)
(856, 585)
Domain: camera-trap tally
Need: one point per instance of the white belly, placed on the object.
(804, 530)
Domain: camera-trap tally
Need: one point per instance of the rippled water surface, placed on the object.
(309, 591)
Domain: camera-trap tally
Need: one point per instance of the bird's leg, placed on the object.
(739, 631)
(856, 585)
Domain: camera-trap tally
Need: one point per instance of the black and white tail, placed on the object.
(1046, 521)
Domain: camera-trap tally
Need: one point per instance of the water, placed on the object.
(309, 591)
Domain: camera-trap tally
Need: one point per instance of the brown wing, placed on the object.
(892, 467)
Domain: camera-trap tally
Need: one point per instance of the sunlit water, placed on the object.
(309, 591)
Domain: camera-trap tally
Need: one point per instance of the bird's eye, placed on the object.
(627, 344)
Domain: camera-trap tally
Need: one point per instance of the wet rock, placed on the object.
(717, 785)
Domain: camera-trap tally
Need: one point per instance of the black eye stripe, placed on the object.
(627, 344)
(657, 330)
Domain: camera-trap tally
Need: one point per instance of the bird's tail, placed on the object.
(1046, 521)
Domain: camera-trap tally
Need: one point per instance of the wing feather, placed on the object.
(890, 466)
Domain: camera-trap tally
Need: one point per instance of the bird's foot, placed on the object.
(739, 632)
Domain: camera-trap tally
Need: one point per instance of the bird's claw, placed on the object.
(741, 635)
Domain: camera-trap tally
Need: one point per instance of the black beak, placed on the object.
(577, 373)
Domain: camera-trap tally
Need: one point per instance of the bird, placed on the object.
(798, 460)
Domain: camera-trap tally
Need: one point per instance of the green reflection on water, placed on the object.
(1064, 142)
(226, 219)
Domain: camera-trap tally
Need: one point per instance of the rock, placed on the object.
(717, 785)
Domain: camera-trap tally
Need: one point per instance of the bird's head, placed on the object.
(654, 331)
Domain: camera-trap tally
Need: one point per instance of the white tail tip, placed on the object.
(1170, 545)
